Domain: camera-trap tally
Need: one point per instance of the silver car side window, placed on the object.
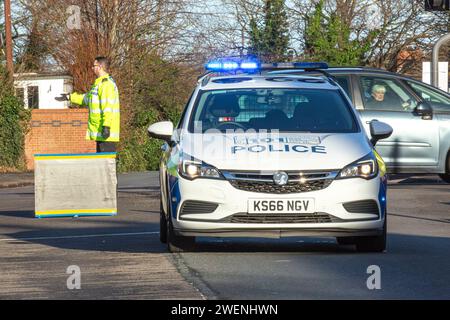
(384, 94)
(429, 94)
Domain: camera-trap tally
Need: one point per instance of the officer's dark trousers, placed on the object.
(104, 146)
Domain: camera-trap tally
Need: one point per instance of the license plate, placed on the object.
(281, 205)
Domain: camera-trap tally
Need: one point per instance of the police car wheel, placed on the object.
(372, 244)
(162, 224)
(446, 175)
(177, 243)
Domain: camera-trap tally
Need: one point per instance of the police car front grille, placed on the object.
(263, 182)
(271, 187)
(317, 217)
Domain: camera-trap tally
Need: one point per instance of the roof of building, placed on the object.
(41, 76)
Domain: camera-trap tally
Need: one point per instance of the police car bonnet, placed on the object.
(288, 151)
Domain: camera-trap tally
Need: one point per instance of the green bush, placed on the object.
(14, 120)
(159, 93)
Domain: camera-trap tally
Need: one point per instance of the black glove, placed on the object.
(105, 132)
(63, 97)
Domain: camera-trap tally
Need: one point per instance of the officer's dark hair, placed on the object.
(103, 61)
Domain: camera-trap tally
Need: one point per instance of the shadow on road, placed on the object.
(28, 214)
(397, 244)
(415, 179)
(255, 245)
(144, 238)
(105, 234)
(419, 218)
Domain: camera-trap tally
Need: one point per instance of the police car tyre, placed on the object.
(177, 243)
(372, 244)
(162, 224)
(446, 175)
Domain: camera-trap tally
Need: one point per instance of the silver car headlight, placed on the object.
(191, 168)
(366, 168)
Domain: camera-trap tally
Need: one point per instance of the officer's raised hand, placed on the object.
(63, 97)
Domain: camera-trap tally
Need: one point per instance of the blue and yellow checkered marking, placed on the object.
(102, 155)
(75, 212)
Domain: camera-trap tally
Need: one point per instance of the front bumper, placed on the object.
(233, 201)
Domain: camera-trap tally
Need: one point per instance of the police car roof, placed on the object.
(246, 81)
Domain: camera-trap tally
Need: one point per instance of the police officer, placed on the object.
(104, 108)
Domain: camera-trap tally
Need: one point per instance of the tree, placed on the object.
(34, 53)
(330, 38)
(14, 122)
(269, 37)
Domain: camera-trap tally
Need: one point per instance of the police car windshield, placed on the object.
(284, 110)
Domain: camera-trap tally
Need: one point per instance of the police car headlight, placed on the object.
(191, 169)
(366, 168)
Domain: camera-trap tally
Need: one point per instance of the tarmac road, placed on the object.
(121, 257)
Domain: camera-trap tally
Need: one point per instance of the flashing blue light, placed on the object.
(383, 199)
(214, 65)
(248, 65)
(230, 65)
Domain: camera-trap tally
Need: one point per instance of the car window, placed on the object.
(385, 94)
(344, 82)
(284, 110)
(430, 95)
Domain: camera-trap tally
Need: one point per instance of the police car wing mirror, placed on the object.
(379, 130)
(161, 130)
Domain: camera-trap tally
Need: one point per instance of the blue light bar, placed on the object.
(230, 65)
(294, 65)
(310, 65)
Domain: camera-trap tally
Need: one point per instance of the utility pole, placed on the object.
(437, 5)
(9, 55)
(435, 60)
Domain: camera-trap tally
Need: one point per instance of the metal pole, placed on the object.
(9, 55)
(435, 60)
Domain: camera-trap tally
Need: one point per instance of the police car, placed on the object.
(263, 155)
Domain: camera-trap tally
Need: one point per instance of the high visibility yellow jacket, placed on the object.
(104, 108)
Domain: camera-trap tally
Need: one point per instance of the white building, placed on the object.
(442, 76)
(38, 90)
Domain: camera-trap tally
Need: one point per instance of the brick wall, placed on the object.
(57, 131)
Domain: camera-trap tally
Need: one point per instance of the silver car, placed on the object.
(418, 113)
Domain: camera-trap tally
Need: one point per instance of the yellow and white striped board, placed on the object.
(75, 185)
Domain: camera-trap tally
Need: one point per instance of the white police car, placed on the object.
(260, 155)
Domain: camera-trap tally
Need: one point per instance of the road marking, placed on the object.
(81, 236)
